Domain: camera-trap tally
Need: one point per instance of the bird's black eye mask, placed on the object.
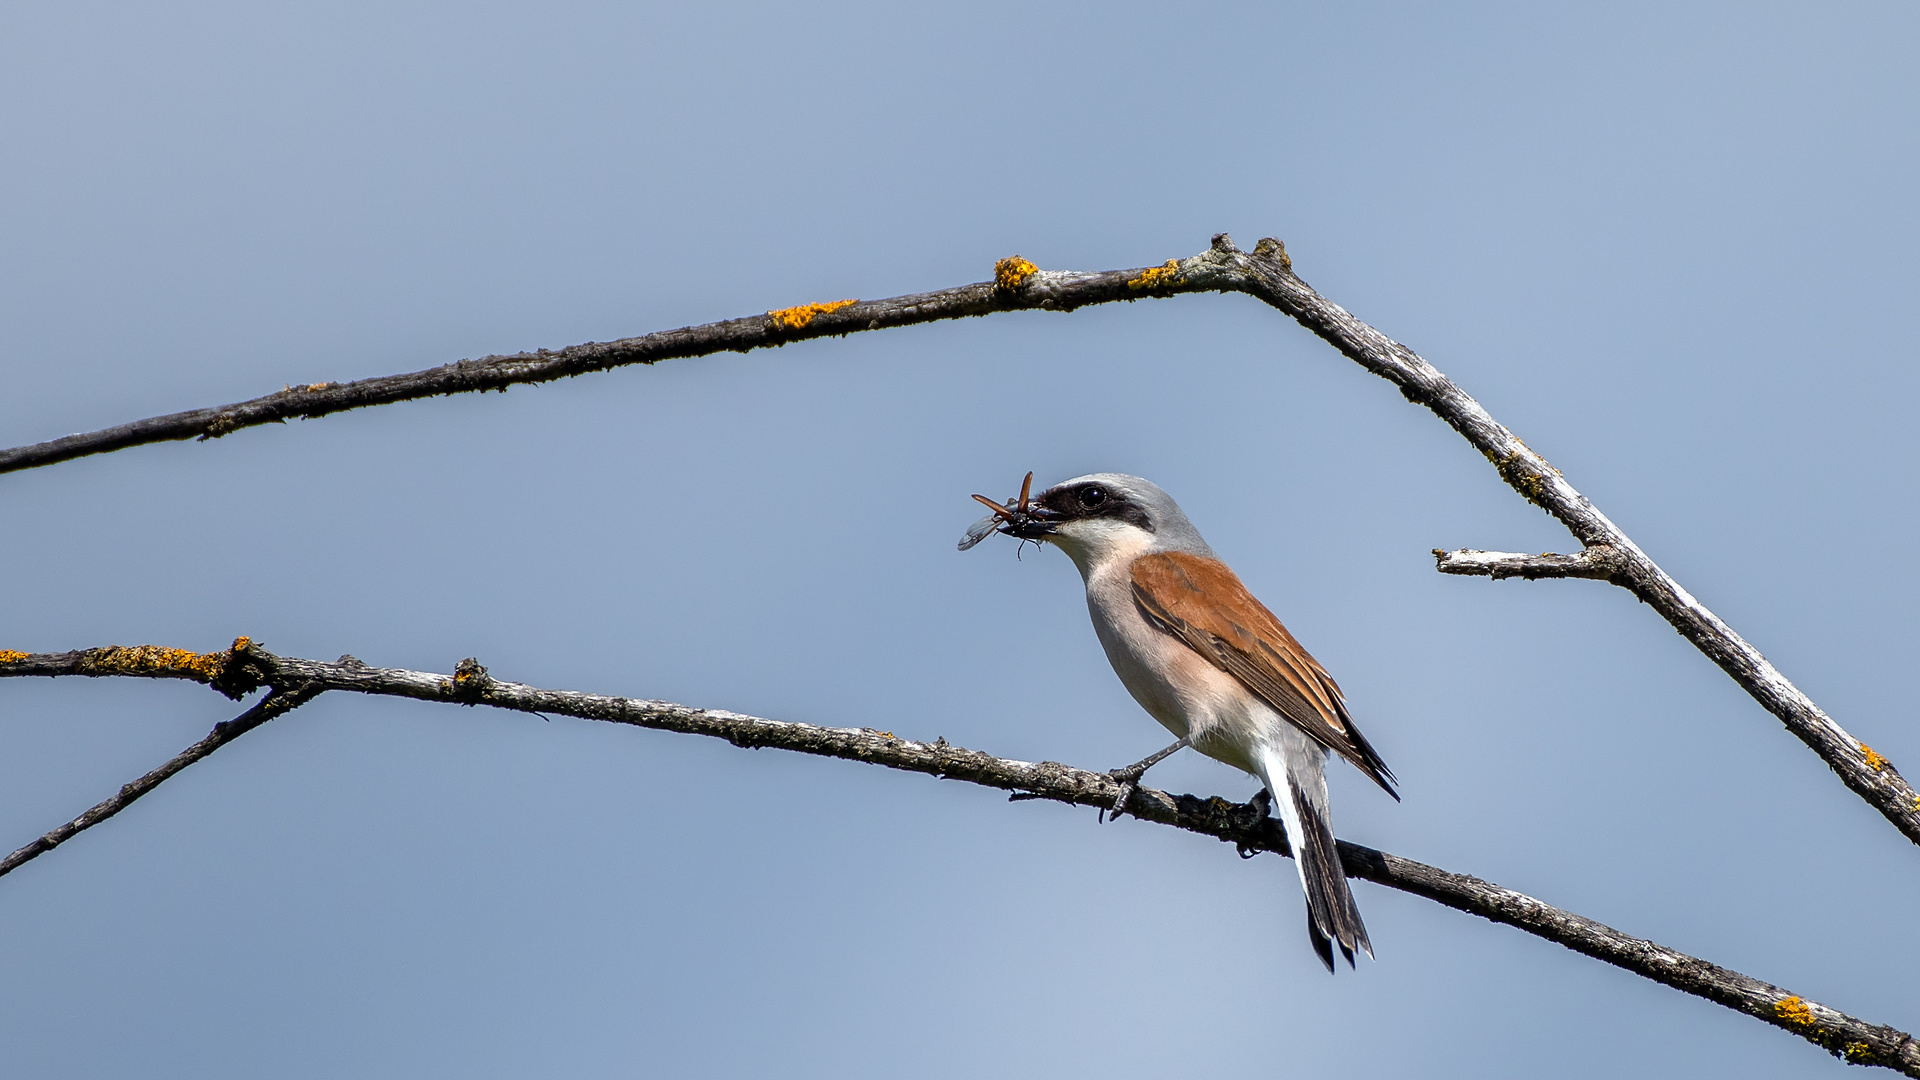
(1093, 500)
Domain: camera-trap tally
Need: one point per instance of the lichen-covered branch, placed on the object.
(1265, 273)
(246, 667)
(1018, 285)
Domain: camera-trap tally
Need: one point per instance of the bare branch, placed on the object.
(1246, 826)
(274, 704)
(1266, 273)
(1599, 562)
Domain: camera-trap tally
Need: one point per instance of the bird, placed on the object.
(1208, 661)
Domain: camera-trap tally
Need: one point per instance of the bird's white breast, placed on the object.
(1177, 686)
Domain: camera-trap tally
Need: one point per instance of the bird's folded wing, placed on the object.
(1201, 602)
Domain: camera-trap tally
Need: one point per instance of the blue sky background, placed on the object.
(1669, 245)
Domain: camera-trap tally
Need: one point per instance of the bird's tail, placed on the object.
(1294, 769)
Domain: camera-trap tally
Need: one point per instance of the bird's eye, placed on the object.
(1093, 496)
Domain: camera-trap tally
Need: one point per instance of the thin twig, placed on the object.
(1265, 273)
(1599, 562)
(1242, 825)
(274, 704)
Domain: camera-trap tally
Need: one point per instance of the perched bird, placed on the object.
(1209, 662)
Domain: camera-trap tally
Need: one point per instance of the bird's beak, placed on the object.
(1026, 519)
(1037, 523)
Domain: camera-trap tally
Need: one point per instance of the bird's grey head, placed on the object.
(1101, 516)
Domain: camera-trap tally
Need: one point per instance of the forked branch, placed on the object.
(1869, 774)
(246, 667)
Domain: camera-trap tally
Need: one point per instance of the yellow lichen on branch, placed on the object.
(797, 318)
(1153, 277)
(159, 660)
(1873, 757)
(12, 656)
(1515, 471)
(1013, 272)
(1793, 1010)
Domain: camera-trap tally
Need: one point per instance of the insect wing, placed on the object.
(979, 531)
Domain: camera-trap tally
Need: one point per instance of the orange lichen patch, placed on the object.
(470, 681)
(11, 656)
(1873, 757)
(154, 660)
(797, 318)
(1793, 1011)
(1167, 273)
(1013, 272)
(1859, 1053)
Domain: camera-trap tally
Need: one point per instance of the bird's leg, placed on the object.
(1131, 775)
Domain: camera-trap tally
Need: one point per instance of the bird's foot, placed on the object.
(1257, 810)
(1129, 779)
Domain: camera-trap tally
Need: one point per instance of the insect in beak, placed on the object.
(1016, 517)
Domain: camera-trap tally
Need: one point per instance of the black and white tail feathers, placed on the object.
(1294, 772)
(1332, 917)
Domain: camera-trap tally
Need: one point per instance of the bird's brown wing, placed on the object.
(1201, 602)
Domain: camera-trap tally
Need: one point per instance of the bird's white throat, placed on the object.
(1094, 544)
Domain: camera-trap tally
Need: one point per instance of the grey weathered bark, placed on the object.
(1265, 273)
(246, 667)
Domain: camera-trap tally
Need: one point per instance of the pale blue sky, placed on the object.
(1670, 245)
